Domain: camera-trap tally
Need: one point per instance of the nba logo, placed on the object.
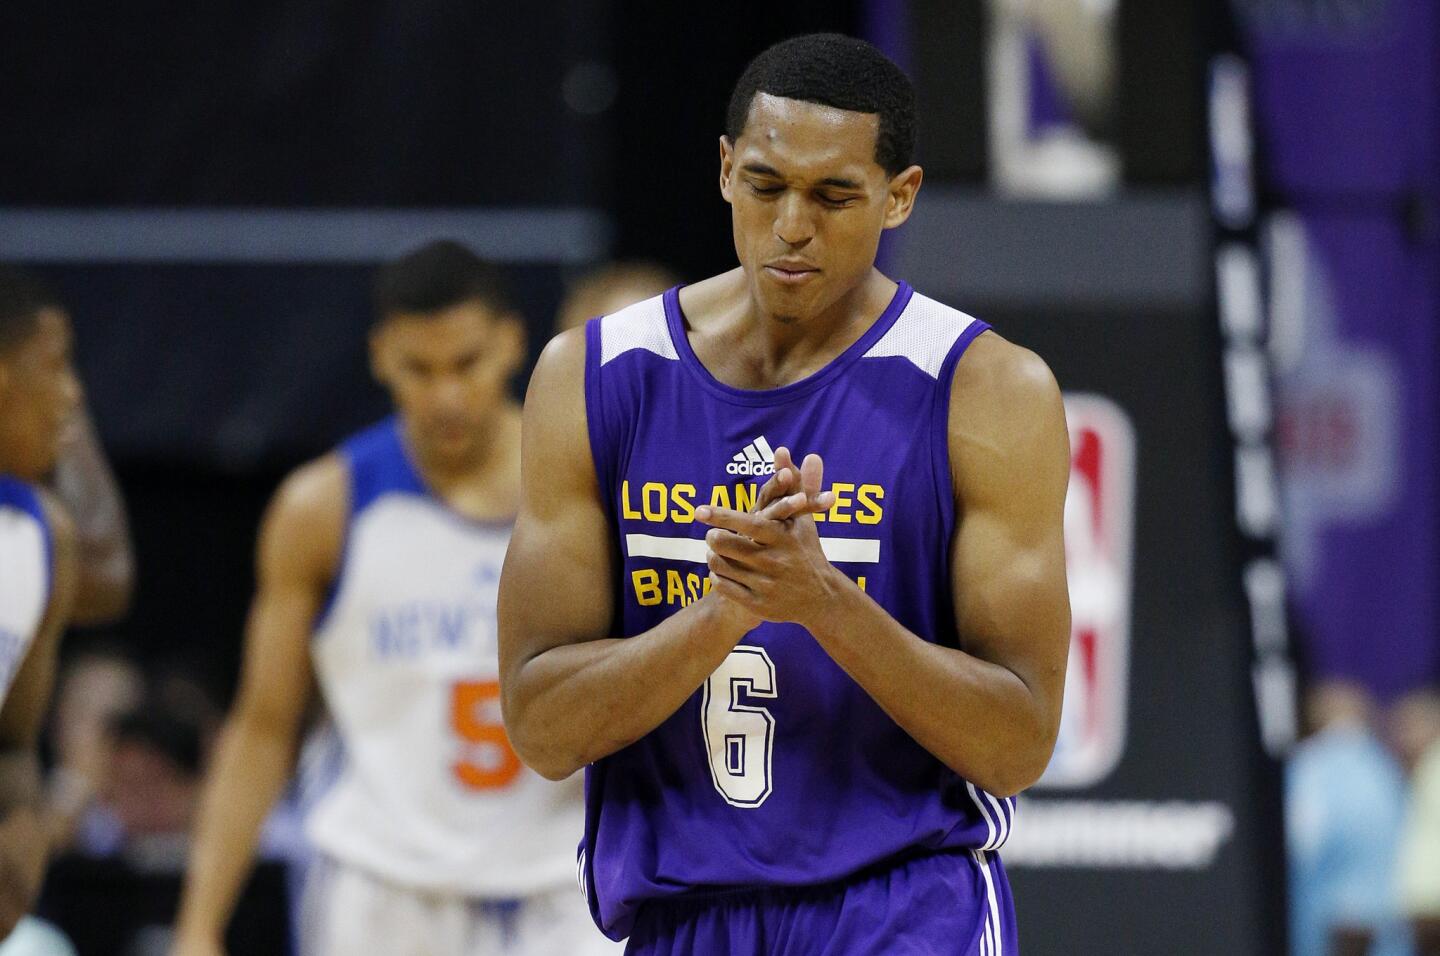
(1099, 519)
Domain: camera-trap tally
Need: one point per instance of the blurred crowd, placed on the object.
(1362, 808)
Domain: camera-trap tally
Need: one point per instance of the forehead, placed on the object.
(801, 138)
(458, 326)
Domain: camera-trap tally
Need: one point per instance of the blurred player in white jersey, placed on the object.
(378, 572)
(39, 399)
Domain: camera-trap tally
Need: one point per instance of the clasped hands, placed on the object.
(768, 561)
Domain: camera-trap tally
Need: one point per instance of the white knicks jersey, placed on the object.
(425, 791)
(25, 578)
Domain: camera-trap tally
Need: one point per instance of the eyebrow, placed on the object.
(763, 170)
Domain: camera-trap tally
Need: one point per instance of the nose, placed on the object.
(448, 395)
(792, 226)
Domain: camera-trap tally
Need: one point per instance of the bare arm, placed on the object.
(299, 554)
(24, 840)
(570, 693)
(990, 709)
(84, 482)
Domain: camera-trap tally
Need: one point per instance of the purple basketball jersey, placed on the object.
(780, 771)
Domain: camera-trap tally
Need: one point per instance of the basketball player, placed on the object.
(803, 717)
(378, 571)
(39, 397)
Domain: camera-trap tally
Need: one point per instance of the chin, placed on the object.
(792, 304)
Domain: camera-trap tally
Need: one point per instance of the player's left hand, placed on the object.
(771, 563)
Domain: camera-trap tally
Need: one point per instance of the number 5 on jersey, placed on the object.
(487, 761)
(739, 737)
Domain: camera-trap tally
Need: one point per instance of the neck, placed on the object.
(753, 346)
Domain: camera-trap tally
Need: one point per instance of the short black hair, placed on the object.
(838, 71)
(436, 276)
(173, 735)
(22, 298)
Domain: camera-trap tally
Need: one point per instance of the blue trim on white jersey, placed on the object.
(375, 463)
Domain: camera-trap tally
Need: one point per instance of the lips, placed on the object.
(791, 273)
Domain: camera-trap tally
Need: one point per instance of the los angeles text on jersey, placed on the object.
(659, 503)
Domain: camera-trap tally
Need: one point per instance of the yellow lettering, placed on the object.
(861, 581)
(674, 588)
(840, 513)
(682, 497)
(625, 509)
(647, 586)
(745, 497)
(719, 497)
(868, 498)
(692, 584)
(707, 585)
(656, 511)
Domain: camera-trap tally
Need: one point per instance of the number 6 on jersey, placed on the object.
(740, 738)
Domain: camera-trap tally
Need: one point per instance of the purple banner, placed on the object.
(1346, 106)
(1345, 93)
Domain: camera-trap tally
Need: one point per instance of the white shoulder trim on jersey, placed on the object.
(638, 326)
(924, 333)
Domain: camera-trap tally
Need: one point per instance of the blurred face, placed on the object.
(808, 202)
(448, 373)
(147, 792)
(39, 395)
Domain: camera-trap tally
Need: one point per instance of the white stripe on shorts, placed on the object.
(993, 902)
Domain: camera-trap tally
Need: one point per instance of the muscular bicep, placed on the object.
(1010, 460)
(556, 587)
(297, 559)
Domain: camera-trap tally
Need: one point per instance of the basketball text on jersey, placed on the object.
(671, 506)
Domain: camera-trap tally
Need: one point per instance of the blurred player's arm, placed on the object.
(991, 708)
(572, 694)
(299, 554)
(84, 482)
(24, 835)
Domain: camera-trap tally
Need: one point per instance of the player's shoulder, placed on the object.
(316, 487)
(1007, 418)
(305, 522)
(64, 538)
(997, 378)
(562, 359)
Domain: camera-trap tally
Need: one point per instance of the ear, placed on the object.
(510, 332)
(727, 166)
(903, 188)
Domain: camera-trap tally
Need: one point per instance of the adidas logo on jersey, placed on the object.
(756, 458)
